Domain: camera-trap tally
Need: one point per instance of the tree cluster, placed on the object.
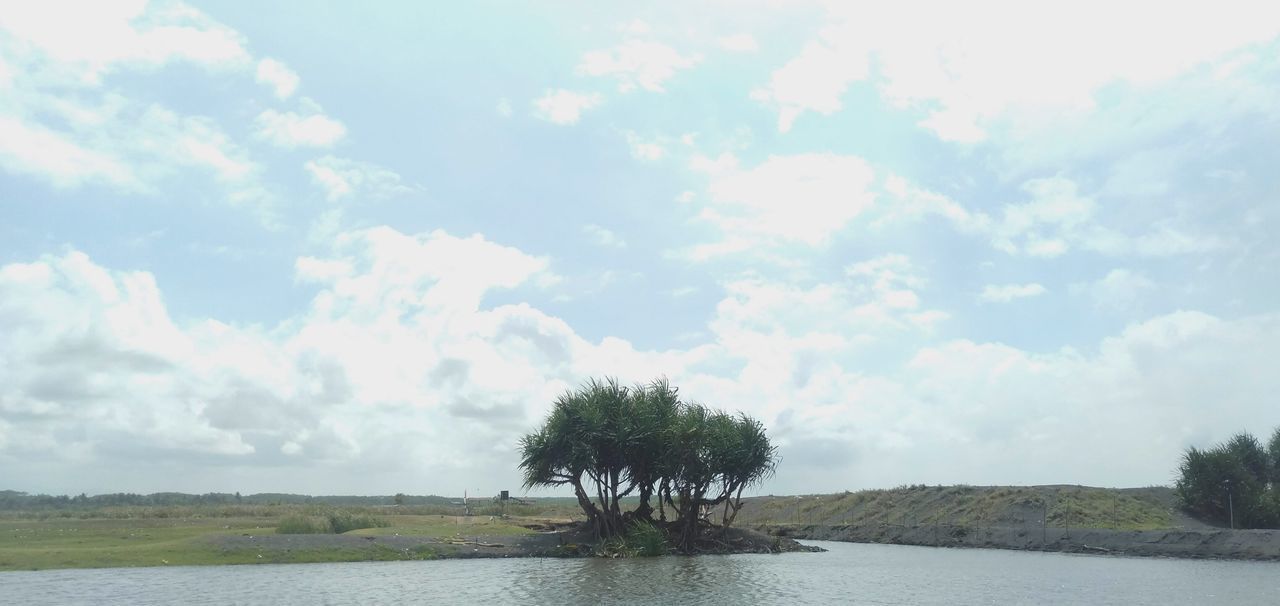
(1236, 482)
(15, 500)
(609, 441)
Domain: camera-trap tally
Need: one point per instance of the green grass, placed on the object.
(346, 521)
(30, 545)
(33, 544)
(996, 506)
(440, 526)
(297, 524)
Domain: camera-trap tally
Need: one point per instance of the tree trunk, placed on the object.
(736, 503)
(593, 515)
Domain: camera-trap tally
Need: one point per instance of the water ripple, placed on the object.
(863, 574)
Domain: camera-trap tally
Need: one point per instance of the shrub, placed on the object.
(641, 540)
(344, 521)
(303, 525)
(334, 522)
(646, 540)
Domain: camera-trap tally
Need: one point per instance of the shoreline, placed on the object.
(1200, 544)
(258, 545)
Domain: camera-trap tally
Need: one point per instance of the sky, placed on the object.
(361, 248)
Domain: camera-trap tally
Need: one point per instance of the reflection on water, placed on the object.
(849, 573)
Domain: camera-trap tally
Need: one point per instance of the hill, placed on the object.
(1062, 506)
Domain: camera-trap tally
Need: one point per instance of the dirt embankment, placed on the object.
(1203, 543)
(1081, 519)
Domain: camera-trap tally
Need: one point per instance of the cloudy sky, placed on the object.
(360, 249)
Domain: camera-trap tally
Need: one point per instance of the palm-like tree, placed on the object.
(608, 441)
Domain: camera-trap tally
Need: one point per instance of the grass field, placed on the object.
(160, 540)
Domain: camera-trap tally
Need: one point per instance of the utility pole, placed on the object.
(1044, 522)
(1231, 508)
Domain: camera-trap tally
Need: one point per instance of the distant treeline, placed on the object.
(14, 500)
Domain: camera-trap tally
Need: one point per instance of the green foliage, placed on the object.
(56, 542)
(641, 540)
(1233, 483)
(646, 539)
(609, 441)
(333, 522)
(345, 521)
(303, 525)
(424, 552)
(976, 506)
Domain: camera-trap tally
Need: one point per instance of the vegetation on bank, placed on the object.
(607, 441)
(555, 507)
(334, 522)
(177, 504)
(57, 542)
(971, 506)
(640, 540)
(1236, 483)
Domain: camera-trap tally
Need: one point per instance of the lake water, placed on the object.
(848, 573)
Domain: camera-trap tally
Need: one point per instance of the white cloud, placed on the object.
(341, 178)
(196, 142)
(396, 343)
(1004, 293)
(399, 361)
(81, 43)
(94, 352)
(603, 236)
(761, 318)
(564, 107)
(820, 373)
(637, 64)
(804, 199)
(738, 43)
(504, 108)
(905, 201)
(1042, 226)
(642, 149)
(291, 130)
(1120, 289)
(1058, 216)
(892, 282)
(282, 80)
(813, 81)
(36, 150)
(957, 66)
(124, 145)
(63, 123)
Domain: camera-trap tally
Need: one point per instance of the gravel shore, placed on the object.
(1211, 543)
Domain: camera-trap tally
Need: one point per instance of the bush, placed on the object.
(303, 525)
(334, 522)
(344, 521)
(646, 540)
(1232, 482)
(641, 540)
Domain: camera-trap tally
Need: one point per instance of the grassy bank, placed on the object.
(976, 506)
(88, 542)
